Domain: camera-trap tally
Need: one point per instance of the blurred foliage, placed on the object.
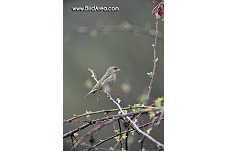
(131, 52)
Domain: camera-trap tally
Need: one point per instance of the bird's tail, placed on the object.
(95, 89)
(88, 94)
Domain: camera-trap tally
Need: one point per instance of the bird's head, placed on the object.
(113, 69)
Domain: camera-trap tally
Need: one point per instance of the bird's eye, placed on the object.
(115, 68)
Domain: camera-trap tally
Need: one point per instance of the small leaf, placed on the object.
(133, 132)
(76, 134)
(116, 131)
(88, 115)
(125, 111)
(150, 74)
(124, 136)
(149, 130)
(143, 149)
(118, 100)
(136, 109)
(151, 115)
(117, 138)
(158, 102)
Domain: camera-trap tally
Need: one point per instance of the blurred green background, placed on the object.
(131, 52)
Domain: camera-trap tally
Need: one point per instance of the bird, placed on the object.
(108, 79)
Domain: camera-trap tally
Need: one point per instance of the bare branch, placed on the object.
(93, 75)
(92, 131)
(119, 125)
(154, 62)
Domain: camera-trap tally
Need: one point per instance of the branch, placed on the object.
(134, 125)
(92, 131)
(113, 28)
(93, 75)
(70, 133)
(119, 125)
(107, 111)
(111, 137)
(155, 60)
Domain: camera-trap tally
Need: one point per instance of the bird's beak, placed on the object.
(118, 69)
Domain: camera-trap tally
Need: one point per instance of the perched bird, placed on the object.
(107, 80)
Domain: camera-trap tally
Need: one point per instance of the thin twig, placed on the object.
(96, 133)
(76, 140)
(112, 28)
(126, 141)
(154, 61)
(93, 75)
(92, 131)
(72, 142)
(119, 125)
(143, 137)
(96, 148)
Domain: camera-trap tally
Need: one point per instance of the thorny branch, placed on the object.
(111, 137)
(105, 119)
(106, 111)
(92, 131)
(133, 123)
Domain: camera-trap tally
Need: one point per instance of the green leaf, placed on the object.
(76, 134)
(135, 109)
(158, 102)
(124, 136)
(150, 74)
(117, 138)
(118, 100)
(149, 130)
(88, 115)
(151, 115)
(133, 132)
(116, 131)
(143, 149)
(125, 111)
